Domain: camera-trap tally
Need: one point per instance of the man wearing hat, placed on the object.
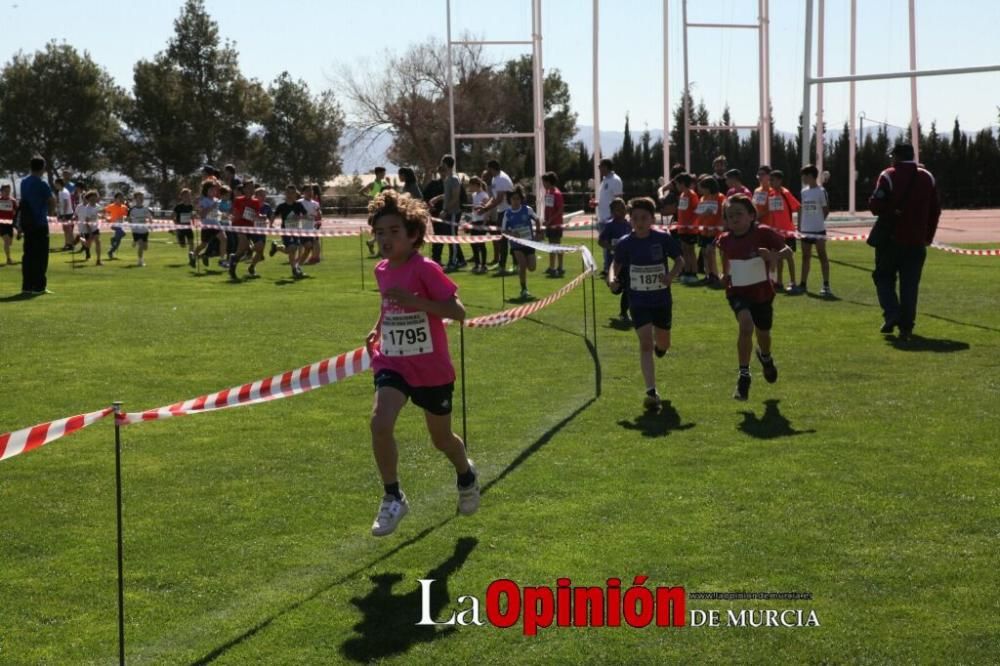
(906, 198)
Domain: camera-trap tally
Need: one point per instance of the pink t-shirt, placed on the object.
(413, 342)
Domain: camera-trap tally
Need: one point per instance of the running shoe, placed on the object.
(770, 370)
(468, 496)
(742, 387)
(390, 512)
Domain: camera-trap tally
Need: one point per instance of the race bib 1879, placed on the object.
(406, 334)
(647, 278)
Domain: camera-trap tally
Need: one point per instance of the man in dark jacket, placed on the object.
(907, 195)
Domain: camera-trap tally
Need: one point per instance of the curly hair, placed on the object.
(412, 211)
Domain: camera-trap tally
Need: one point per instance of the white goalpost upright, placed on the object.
(808, 80)
(538, 123)
(763, 126)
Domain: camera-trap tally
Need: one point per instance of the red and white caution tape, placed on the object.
(461, 240)
(520, 312)
(285, 385)
(544, 247)
(983, 252)
(26, 439)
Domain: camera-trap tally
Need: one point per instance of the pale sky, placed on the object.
(311, 39)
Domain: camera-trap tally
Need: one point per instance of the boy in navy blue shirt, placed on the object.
(643, 254)
(615, 229)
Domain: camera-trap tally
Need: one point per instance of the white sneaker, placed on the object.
(468, 498)
(390, 512)
(141, 262)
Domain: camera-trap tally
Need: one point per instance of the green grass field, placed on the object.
(867, 475)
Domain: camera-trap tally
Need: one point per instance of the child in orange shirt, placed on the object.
(782, 204)
(709, 215)
(687, 203)
(761, 194)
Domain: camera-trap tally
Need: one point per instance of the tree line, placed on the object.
(191, 105)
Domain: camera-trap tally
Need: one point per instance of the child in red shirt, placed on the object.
(687, 204)
(709, 212)
(8, 206)
(782, 204)
(554, 209)
(750, 249)
(409, 351)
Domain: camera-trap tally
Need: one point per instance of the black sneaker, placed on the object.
(232, 266)
(204, 260)
(192, 260)
(252, 271)
(905, 334)
(274, 249)
(742, 391)
(86, 253)
(660, 353)
(887, 327)
(770, 370)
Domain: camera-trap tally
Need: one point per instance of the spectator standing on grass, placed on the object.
(37, 203)
(451, 211)
(372, 190)
(501, 186)
(719, 167)
(610, 189)
(906, 198)
(64, 211)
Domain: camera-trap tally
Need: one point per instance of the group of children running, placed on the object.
(409, 347)
(753, 233)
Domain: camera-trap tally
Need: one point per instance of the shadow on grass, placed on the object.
(961, 323)
(388, 626)
(771, 425)
(866, 269)
(918, 343)
(521, 458)
(832, 299)
(657, 423)
(17, 297)
(619, 325)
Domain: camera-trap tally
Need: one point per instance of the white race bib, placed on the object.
(745, 272)
(249, 214)
(682, 203)
(7, 205)
(185, 218)
(520, 232)
(810, 207)
(775, 203)
(707, 208)
(293, 222)
(759, 198)
(406, 334)
(550, 200)
(260, 222)
(647, 278)
(137, 226)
